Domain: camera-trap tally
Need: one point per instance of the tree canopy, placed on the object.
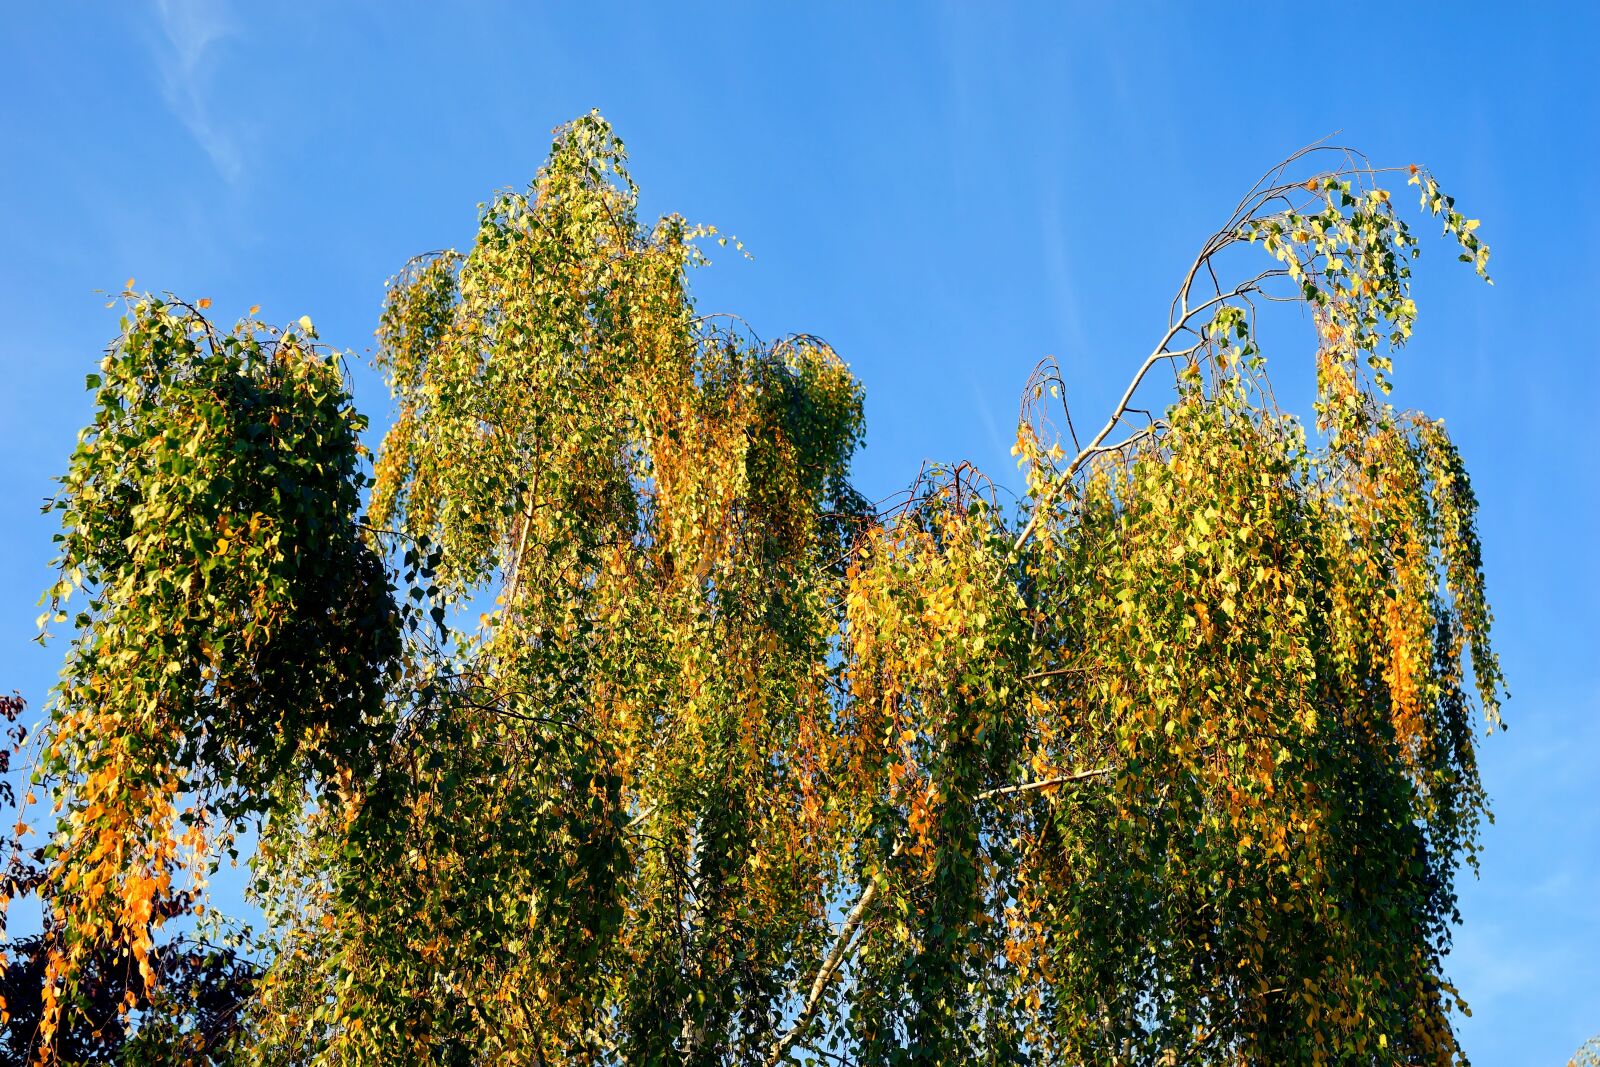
(615, 726)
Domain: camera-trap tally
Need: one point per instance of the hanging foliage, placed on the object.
(233, 629)
(1174, 764)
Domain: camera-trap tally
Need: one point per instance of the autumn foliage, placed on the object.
(616, 727)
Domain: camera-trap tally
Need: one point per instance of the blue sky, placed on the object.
(947, 193)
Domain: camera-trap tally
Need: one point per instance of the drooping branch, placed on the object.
(1185, 317)
(1268, 190)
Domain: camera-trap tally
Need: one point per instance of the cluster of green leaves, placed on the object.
(938, 643)
(234, 631)
(1174, 765)
(602, 835)
(1251, 633)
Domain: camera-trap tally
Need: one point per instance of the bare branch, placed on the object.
(830, 965)
(1048, 783)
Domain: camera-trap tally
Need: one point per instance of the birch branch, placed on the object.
(844, 941)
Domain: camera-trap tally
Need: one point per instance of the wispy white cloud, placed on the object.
(191, 30)
(991, 426)
(1059, 272)
(1499, 969)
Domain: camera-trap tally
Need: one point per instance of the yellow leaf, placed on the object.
(305, 323)
(203, 303)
